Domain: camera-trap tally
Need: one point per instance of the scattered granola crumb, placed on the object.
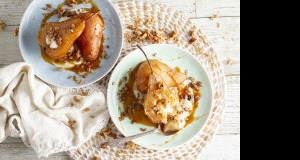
(218, 24)
(131, 145)
(229, 61)
(143, 129)
(104, 145)
(105, 56)
(92, 117)
(155, 54)
(1, 25)
(76, 99)
(71, 123)
(85, 110)
(59, 69)
(106, 131)
(192, 41)
(84, 93)
(48, 7)
(16, 31)
(214, 16)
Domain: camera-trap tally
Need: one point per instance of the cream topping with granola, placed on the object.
(165, 96)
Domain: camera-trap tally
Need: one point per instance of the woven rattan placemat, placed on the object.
(170, 27)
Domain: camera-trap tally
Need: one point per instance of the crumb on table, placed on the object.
(1, 25)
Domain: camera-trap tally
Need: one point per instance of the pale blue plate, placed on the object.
(30, 50)
(173, 57)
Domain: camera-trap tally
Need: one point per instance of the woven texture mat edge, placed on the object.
(164, 20)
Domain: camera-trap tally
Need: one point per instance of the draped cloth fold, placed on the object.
(49, 119)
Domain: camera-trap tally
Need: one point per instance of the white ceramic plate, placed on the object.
(30, 50)
(173, 57)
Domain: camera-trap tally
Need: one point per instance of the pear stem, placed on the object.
(146, 58)
(93, 15)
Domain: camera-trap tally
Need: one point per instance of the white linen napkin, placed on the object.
(49, 119)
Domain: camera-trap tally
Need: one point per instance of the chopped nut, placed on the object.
(85, 110)
(173, 34)
(71, 123)
(58, 39)
(1, 25)
(143, 129)
(229, 61)
(106, 131)
(106, 56)
(131, 145)
(16, 31)
(49, 5)
(192, 41)
(104, 145)
(59, 69)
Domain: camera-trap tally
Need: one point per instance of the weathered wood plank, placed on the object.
(224, 8)
(222, 147)
(225, 40)
(12, 151)
(9, 44)
(11, 11)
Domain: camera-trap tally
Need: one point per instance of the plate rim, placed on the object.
(118, 50)
(211, 101)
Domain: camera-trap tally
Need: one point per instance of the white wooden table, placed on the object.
(225, 145)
